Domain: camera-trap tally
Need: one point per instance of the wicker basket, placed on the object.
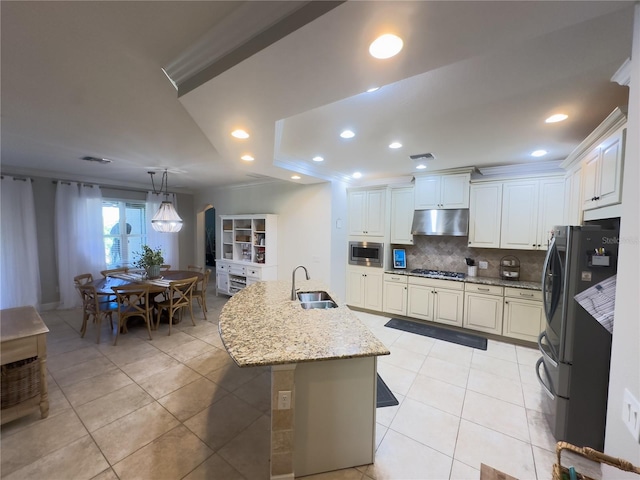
(560, 472)
(20, 382)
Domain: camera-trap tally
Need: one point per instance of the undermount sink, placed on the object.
(312, 300)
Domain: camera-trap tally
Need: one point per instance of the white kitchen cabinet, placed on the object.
(573, 196)
(523, 314)
(435, 300)
(530, 208)
(402, 215)
(442, 191)
(364, 287)
(232, 276)
(602, 172)
(485, 214)
(483, 306)
(367, 212)
(395, 294)
(251, 239)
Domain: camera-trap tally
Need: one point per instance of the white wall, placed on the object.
(305, 223)
(625, 355)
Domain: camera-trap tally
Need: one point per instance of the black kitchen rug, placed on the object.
(384, 397)
(461, 338)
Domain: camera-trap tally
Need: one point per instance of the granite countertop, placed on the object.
(261, 325)
(481, 280)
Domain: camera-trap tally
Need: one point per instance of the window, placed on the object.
(124, 230)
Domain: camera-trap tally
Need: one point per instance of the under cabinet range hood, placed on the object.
(453, 222)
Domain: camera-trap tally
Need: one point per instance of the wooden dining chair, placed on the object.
(106, 273)
(164, 268)
(180, 296)
(200, 292)
(92, 306)
(133, 301)
(194, 268)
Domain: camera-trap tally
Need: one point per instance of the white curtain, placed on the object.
(79, 241)
(19, 269)
(168, 242)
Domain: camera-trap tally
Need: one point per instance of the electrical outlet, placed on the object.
(631, 414)
(284, 400)
(483, 265)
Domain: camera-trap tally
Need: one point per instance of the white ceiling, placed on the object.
(472, 85)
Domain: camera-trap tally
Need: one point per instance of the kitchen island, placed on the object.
(323, 376)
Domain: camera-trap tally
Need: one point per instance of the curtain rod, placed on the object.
(22, 179)
(64, 182)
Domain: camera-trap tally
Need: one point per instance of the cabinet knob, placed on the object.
(506, 302)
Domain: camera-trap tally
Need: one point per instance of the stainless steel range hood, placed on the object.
(453, 222)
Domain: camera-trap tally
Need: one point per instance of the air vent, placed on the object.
(422, 156)
(96, 159)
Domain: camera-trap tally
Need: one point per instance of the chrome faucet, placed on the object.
(293, 280)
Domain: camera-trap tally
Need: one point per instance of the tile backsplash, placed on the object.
(448, 253)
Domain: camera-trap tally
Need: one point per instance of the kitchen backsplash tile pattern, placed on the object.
(448, 253)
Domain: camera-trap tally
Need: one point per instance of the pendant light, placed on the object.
(166, 218)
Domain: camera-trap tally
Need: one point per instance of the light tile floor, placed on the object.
(177, 407)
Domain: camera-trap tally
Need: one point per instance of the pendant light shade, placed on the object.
(166, 219)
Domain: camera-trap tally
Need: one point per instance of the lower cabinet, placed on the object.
(483, 305)
(395, 294)
(231, 277)
(523, 314)
(435, 300)
(364, 287)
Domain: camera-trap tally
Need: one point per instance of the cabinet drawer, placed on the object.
(523, 293)
(254, 273)
(436, 282)
(485, 289)
(388, 277)
(222, 267)
(18, 349)
(237, 270)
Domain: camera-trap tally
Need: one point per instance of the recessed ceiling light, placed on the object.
(558, 117)
(347, 134)
(395, 145)
(385, 46)
(295, 177)
(421, 166)
(247, 158)
(373, 89)
(240, 134)
(356, 175)
(318, 159)
(539, 153)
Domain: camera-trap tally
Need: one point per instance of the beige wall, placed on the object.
(625, 355)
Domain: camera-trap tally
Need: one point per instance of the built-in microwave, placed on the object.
(368, 254)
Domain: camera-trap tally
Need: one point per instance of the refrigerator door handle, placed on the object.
(546, 276)
(552, 361)
(546, 389)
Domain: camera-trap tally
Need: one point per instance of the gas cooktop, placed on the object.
(438, 273)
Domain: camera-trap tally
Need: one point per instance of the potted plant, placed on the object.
(150, 260)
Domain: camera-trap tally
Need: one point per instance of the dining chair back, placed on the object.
(200, 292)
(106, 273)
(133, 301)
(164, 268)
(194, 268)
(180, 296)
(92, 306)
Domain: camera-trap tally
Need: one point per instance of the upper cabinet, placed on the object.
(485, 215)
(602, 173)
(594, 172)
(250, 238)
(401, 215)
(367, 212)
(442, 191)
(530, 209)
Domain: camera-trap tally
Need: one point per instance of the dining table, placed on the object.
(104, 286)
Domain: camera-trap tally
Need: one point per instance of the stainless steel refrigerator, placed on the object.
(576, 349)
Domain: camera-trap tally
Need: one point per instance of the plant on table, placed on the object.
(150, 260)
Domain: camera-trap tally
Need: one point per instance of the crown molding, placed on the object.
(623, 74)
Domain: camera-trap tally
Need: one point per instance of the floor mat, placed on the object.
(384, 397)
(439, 333)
